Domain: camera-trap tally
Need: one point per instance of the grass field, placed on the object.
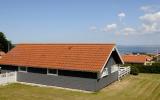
(141, 87)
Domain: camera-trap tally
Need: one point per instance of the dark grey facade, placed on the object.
(112, 77)
(73, 82)
(60, 81)
(67, 81)
(103, 82)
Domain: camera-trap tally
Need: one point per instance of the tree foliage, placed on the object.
(5, 45)
(134, 70)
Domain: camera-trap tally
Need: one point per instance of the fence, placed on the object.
(123, 71)
(7, 77)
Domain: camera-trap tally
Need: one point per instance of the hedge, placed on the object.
(134, 70)
(154, 68)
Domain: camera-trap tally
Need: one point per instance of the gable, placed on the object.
(113, 59)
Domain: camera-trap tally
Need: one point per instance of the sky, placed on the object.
(124, 22)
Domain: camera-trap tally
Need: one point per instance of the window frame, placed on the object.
(19, 69)
(56, 74)
(114, 68)
(105, 72)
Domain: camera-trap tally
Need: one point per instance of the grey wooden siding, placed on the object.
(103, 82)
(67, 81)
(60, 81)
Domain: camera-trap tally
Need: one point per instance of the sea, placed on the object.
(150, 49)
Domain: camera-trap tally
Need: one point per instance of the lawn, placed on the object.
(141, 87)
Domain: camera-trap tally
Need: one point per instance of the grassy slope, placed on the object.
(142, 87)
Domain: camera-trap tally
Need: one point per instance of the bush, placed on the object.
(154, 68)
(140, 68)
(134, 70)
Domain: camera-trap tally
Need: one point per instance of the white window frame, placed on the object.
(19, 69)
(105, 72)
(114, 68)
(52, 73)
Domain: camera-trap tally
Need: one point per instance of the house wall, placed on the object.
(103, 82)
(60, 81)
(112, 77)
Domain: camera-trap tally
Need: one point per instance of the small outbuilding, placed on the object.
(88, 67)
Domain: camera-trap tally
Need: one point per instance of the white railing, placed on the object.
(8, 77)
(123, 71)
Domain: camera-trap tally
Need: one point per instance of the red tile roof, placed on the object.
(136, 58)
(83, 57)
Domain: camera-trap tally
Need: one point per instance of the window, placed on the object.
(114, 68)
(23, 69)
(77, 74)
(52, 71)
(37, 70)
(105, 72)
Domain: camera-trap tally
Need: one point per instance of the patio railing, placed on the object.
(123, 71)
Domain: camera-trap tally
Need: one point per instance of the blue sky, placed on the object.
(124, 22)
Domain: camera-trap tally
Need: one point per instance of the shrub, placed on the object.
(154, 68)
(134, 70)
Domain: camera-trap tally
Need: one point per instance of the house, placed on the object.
(137, 59)
(88, 67)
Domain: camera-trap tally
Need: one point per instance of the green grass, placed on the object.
(141, 87)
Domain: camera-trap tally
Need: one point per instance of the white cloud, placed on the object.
(151, 17)
(151, 22)
(151, 28)
(128, 30)
(146, 8)
(110, 27)
(93, 28)
(121, 15)
(149, 8)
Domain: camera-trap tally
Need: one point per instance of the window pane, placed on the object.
(23, 69)
(114, 68)
(52, 71)
(105, 72)
(37, 70)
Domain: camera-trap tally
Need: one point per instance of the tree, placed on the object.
(5, 45)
